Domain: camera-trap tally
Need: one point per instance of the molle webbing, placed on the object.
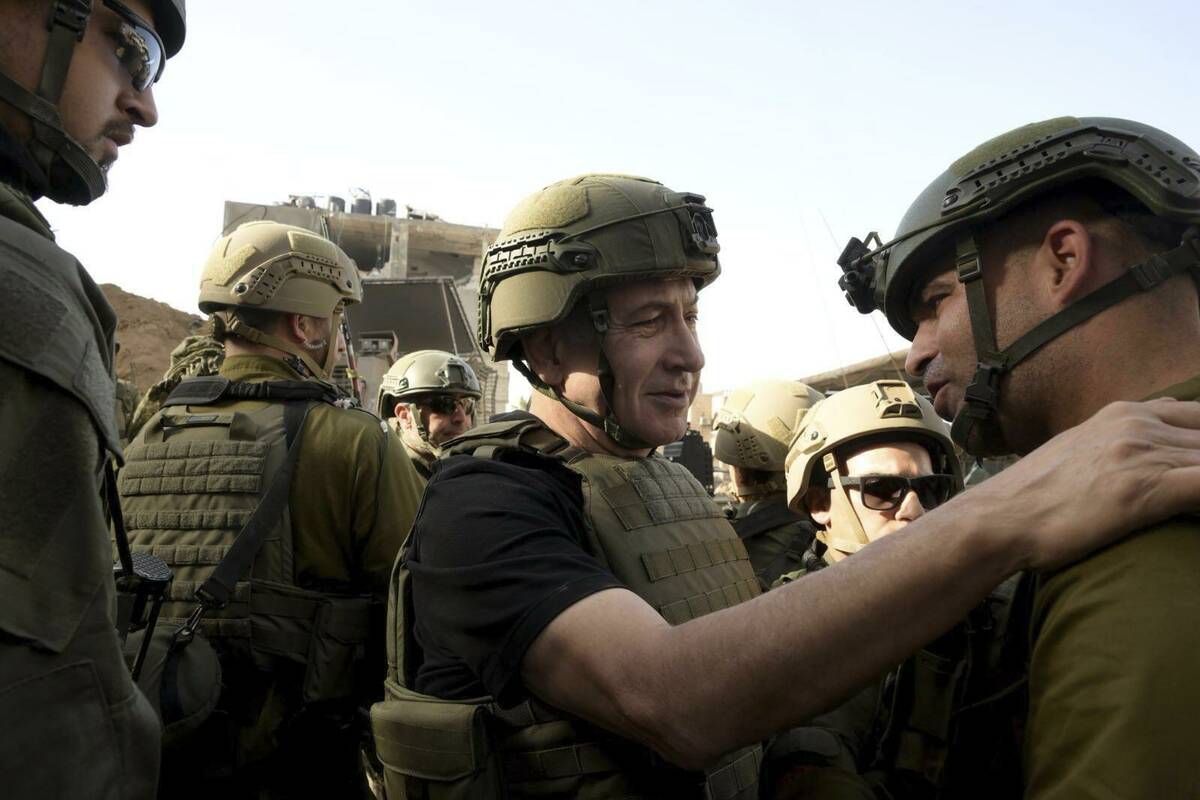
(173, 492)
(652, 524)
(207, 490)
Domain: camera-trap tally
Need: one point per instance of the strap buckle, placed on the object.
(1151, 272)
(71, 15)
(967, 265)
(984, 388)
(187, 631)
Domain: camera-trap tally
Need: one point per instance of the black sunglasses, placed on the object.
(445, 404)
(887, 492)
(139, 48)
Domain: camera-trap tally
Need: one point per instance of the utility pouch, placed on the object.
(180, 676)
(925, 740)
(325, 633)
(433, 749)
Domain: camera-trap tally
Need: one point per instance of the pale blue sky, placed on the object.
(786, 115)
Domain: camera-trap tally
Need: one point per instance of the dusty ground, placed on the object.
(148, 331)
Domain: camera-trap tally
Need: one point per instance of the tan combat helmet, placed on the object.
(562, 243)
(269, 266)
(424, 372)
(883, 412)
(756, 423)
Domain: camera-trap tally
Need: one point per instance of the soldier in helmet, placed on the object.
(865, 463)
(573, 616)
(428, 397)
(1049, 272)
(76, 78)
(293, 613)
(751, 433)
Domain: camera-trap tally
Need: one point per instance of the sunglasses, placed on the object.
(446, 404)
(887, 492)
(139, 48)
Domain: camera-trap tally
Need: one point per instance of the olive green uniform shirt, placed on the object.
(352, 500)
(354, 492)
(1114, 695)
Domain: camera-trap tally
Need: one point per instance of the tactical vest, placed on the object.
(949, 728)
(652, 524)
(943, 726)
(775, 538)
(193, 477)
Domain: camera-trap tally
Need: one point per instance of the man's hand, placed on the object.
(730, 678)
(1130, 465)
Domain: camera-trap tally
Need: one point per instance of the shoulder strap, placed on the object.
(213, 389)
(762, 521)
(524, 433)
(216, 591)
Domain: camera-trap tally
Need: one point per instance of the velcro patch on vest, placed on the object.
(657, 492)
(700, 555)
(205, 467)
(698, 605)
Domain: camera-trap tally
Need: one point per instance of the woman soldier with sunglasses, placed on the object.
(865, 463)
(76, 78)
(428, 398)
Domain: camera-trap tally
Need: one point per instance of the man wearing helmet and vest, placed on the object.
(573, 616)
(76, 78)
(428, 397)
(751, 433)
(318, 497)
(865, 463)
(1048, 272)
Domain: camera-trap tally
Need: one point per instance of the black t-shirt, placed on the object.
(497, 553)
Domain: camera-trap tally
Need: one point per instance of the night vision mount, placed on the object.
(858, 267)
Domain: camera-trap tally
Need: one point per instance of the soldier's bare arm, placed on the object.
(612, 659)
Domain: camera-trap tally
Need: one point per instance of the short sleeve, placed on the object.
(1113, 695)
(498, 552)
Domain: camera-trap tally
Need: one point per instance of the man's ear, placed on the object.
(400, 412)
(541, 350)
(816, 500)
(1067, 262)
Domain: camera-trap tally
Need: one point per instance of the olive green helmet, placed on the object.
(269, 266)
(756, 423)
(573, 237)
(1156, 169)
(882, 412)
(425, 372)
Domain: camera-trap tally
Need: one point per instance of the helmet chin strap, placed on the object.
(71, 174)
(323, 372)
(839, 500)
(976, 427)
(607, 422)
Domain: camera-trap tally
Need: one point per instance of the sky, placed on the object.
(803, 124)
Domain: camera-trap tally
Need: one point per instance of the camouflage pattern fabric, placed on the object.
(196, 356)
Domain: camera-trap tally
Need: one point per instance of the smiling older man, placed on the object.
(574, 617)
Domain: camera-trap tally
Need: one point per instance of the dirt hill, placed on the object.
(148, 331)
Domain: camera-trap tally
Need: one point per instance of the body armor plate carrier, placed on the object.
(193, 478)
(654, 526)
